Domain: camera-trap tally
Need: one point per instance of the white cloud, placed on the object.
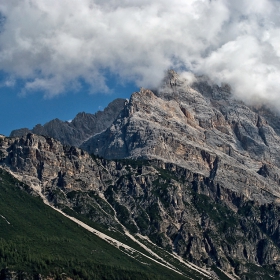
(54, 44)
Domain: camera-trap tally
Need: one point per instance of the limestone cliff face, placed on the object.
(192, 214)
(195, 170)
(201, 128)
(83, 126)
(53, 168)
(47, 160)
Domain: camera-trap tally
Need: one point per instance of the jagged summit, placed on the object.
(199, 127)
(83, 126)
(187, 166)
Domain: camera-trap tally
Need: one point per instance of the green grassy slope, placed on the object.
(36, 239)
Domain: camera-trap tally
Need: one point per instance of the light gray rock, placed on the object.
(201, 175)
(201, 128)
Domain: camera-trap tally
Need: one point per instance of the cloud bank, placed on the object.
(53, 45)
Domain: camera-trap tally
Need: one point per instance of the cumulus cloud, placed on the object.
(53, 45)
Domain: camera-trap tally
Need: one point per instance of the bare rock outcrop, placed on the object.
(201, 128)
(188, 166)
(189, 213)
(83, 126)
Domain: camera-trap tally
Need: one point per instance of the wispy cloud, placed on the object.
(54, 44)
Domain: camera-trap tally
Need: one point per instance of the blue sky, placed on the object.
(58, 58)
(19, 111)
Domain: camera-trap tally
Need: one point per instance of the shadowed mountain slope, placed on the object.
(186, 213)
(200, 128)
(80, 128)
(36, 242)
(187, 170)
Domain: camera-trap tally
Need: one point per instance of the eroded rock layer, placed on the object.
(189, 213)
(200, 128)
(190, 167)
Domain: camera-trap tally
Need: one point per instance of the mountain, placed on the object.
(185, 174)
(69, 180)
(36, 242)
(83, 126)
(231, 149)
(203, 129)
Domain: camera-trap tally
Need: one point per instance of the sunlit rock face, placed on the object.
(202, 128)
(195, 170)
(197, 216)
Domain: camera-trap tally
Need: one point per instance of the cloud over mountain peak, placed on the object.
(56, 44)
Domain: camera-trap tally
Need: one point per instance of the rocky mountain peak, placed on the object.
(194, 126)
(187, 166)
(228, 217)
(83, 126)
